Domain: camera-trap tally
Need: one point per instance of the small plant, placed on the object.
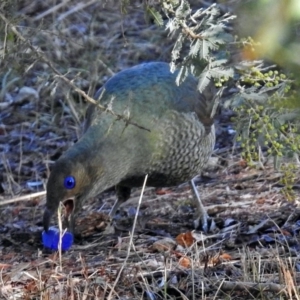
(205, 33)
(288, 180)
(263, 118)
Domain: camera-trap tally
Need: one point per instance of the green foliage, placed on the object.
(263, 120)
(288, 180)
(204, 31)
(155, 15)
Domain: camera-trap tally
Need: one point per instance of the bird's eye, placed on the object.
(69, 182)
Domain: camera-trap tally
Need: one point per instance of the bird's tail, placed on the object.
(216, 102)
(207, 110)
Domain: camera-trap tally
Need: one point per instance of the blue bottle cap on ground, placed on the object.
(51, 239)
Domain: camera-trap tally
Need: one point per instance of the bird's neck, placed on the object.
(102, 162)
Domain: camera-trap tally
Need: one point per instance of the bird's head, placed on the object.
(69, 182)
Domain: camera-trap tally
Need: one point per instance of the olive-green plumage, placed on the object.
(175, 145)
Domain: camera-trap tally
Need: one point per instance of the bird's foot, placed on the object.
(110, 228)
(206, 224)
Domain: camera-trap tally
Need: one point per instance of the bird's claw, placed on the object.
(206, 224)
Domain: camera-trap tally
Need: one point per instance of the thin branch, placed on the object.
(76, 8)
(43, 57)
(253, 287)
(51, 10)
(191, 33)
(130, 244)
(23, 198)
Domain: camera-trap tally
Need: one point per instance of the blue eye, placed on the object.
(69, 182)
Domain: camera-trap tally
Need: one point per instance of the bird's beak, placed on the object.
(69, 205)
(46, 218)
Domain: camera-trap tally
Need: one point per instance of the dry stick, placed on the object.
(43, 57)
(61, 234)
(78, 6)
(50, 10)
(130, 241)
(107, 68)
(4, 45)
(253, 286)
(23, 198)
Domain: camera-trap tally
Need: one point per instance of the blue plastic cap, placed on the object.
(51, 239)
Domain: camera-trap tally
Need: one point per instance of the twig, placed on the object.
(130, 241)
(23, 198)
(51, 10)
(77, 7)
(189, 32)
(107, 68)
(253, 286)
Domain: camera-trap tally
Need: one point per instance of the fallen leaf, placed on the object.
(166, 244)
(285, 232)
(219, 258)
(185, 262)
(226, 256)
(261, 201)
(31, 286)
(185, 239)
(163, 192)
(243, 163)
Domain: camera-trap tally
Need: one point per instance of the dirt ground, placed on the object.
(251, 254)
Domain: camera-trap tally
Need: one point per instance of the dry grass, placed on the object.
(256, 257)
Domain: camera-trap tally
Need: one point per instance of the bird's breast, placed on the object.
(180, 147)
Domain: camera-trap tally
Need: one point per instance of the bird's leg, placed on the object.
(123, 194)
(202, 216)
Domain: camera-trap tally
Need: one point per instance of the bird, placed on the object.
(167, 132)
